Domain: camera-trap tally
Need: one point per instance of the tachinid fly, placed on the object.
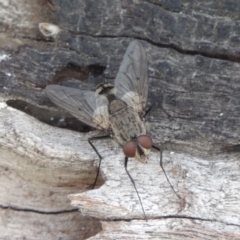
(117, 110)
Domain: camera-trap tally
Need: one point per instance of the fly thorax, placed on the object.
(125, 122)
(116, 105)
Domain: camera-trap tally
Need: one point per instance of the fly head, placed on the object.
(138, 148)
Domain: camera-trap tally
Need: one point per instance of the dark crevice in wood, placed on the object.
(71, 71)
(38, 211)
(96, 70)
(214, 55)
(231, 148)
(219, 56)
(36, 39)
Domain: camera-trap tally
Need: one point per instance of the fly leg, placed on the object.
(133, 182)
(161, 108)
(96, 151)
(161, 165)
(149, 110)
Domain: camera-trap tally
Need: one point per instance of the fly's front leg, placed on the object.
(161, 165)
(133, 182)
(96, 151)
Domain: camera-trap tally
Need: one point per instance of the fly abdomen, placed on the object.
(125, 122)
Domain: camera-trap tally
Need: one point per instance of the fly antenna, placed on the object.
(161, 165)
(133, 182)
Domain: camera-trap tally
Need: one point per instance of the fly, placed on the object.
(118, 110)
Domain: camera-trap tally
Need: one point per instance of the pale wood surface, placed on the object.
(168, 229)
(39, 168)
(209, 187)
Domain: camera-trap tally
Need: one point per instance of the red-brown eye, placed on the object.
(145, 141)
(129, 149)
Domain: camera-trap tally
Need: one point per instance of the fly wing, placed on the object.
(131, 83)
(89, 107)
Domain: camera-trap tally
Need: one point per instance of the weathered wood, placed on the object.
(168, 229)
(209, 187)
(193, 56)
(20, 224)
(36, 176)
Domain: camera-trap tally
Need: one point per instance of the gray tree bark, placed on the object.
(193, 68)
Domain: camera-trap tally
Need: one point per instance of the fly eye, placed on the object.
(129, 149)
(145, 141)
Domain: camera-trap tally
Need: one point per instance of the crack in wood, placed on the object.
(38, 211)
